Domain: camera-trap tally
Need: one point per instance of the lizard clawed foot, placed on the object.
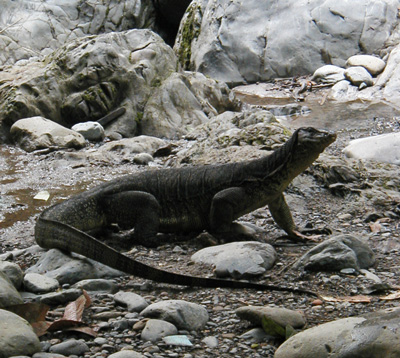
(308, 235)
(299, 237)
(311, 234)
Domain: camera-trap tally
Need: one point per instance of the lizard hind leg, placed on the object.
(135, 209)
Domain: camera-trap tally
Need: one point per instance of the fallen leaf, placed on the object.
(32, 312)
(74, 310)
(72, 315)
(86, 330)
(40, 328)
(350, 299)
(375, 227)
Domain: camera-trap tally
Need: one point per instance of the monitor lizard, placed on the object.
(179, 200)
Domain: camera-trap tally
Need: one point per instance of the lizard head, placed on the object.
(308, 144)
(313, 140)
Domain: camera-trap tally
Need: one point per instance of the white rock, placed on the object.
(380, 148)
(329, 74)
(210, 342)
(36, 283)
(374, 65)
(126, 354)
(142, 158)
(90, 130)
(38, 132)
(358, 76)
(238, 259)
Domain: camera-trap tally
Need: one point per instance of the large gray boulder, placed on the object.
(182, 102)
(38, 27)
(17, 337)
(373, 335)
(389, 81)
(86, 79)
(234, 136)
(249, 41)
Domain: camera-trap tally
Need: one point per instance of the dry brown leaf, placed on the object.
(74, 310)
(72, 314)
(391, 296)
(375, 227)
(86, 330)
(350, 299)
(32, 312)
(40, 328)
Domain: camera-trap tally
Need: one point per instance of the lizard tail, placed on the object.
(53, 234)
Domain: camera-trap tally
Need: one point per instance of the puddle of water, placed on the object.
(331, 115)
(342, 116)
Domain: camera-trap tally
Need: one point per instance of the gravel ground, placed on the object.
(26, 174)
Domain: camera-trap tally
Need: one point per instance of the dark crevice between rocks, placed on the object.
(168, 17)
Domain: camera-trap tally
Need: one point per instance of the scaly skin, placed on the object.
(181, 200)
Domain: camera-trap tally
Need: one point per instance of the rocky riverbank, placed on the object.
(90, 91)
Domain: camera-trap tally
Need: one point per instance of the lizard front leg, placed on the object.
(135, 209)
(281, 214)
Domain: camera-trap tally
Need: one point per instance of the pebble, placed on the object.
(92, 131)
(9, 295)
(156, 329)
(13, 272)
(61, 297)
(97, 286)
(133, 301)
(127, 354)
(184, 315)
(143, 159)
(210, 342)
(280, 315)
(36, 283)
(358, 75)
(255, 335)
(70, 347)
(106, 315)
(177, 340)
